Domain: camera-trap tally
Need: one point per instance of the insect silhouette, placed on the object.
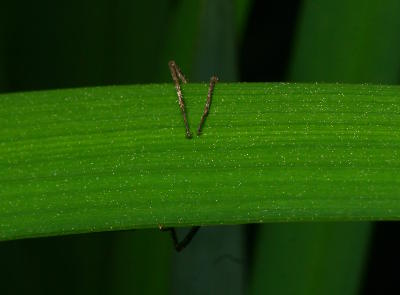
(177, 75)
(179, 246)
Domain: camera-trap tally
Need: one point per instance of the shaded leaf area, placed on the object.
(361, 48)
(50, 45)
(312, 251)
(113, 158)
(83, 264)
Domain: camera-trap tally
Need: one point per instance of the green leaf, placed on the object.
(348, 41)
(111, 158)
(319, 260)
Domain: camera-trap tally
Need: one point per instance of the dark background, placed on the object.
(59, 44)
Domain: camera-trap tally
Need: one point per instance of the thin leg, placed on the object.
(178, 71)
(179, 246)
(176, 74)
(213, 80)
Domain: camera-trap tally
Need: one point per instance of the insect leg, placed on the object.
(213, 80)
(179, 246)
(176, 74)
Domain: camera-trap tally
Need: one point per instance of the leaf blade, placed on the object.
(114, 158)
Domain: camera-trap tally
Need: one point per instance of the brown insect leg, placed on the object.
(176, 74)
(213, 81)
